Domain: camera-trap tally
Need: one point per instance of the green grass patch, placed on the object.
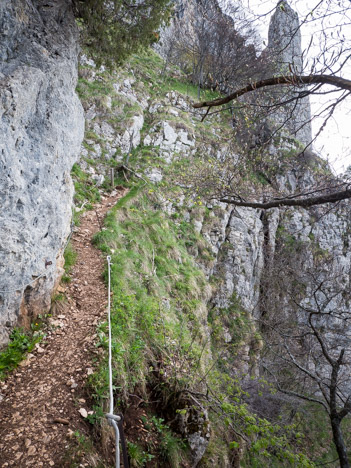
(157, 289)
(70, 256)
(149, 67)
(85, 188)
(171, 447)
(81, 452)
(21, 343)
(138, 457)
(87, 89)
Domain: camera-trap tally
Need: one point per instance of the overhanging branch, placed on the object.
(303, 202)
(292, 80)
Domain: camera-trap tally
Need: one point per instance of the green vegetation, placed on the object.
(236, 320)
(85, 189)
(171, 447)
(149, 67)
(70, 256)
(157, 291)
(114, 30)
(314, 423)
(21, 343)
(137, 456)
(86, 193)
(81, 452)
(91, 89)
(287, 241)
(160, 348)
(163, 348)
(147, 79)
(157, 295)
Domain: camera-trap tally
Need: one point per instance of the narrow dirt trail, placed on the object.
(49, 385)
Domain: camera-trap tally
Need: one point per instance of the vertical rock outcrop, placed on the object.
(41, 130)
(285, 51)
(284, 38)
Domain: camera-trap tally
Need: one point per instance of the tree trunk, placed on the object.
(339, 441)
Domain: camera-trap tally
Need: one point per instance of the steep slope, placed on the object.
(194, 280)
(166, 246)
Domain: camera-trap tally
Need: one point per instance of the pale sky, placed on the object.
(334, 143)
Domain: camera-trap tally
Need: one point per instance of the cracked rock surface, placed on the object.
(41, 129)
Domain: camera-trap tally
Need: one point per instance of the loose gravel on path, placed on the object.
(40, 401)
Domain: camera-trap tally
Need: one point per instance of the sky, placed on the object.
(334, 143)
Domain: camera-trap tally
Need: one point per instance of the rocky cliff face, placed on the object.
(285, 52)
(159, 130)
(41, 130)
(138, 117)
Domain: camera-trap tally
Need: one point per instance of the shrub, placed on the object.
(113, 30)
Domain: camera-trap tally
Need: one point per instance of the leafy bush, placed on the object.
(113, 30)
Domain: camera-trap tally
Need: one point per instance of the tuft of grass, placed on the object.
(57, 303)
(171, 447)
(137, 456)
(21, 343)
(81, 452)
(87, 89)
(70, 256)
(85, 189)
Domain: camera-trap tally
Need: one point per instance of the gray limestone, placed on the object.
(41, 130)
(285, 51)
(284, 38)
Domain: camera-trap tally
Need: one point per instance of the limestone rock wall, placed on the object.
(160, 130)
(41, 129)
(285, 52)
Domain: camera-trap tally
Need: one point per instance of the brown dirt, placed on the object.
(48, 387)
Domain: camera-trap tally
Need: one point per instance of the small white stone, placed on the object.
(83, 412)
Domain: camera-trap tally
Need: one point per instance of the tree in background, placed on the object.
(115, 29)
(266, 110)
(306, 318)
(213, 46)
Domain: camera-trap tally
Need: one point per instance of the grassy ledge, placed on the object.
(162, 350)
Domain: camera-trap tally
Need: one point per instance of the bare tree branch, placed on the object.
(292, 80)
(303, 202)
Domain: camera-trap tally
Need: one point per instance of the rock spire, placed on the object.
(285, 51)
